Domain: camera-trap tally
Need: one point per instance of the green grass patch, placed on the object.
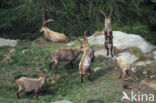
(64, 85)
(137, 52)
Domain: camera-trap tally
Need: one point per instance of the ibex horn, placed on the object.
(110, 14)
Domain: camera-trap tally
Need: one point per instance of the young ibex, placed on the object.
(108, 33)
(65, 54)
(49, 35)
(124, 67)
(86, 60)
(29, 84)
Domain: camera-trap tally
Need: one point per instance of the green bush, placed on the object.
(22, 19)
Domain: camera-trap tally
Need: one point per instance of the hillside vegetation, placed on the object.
(30, 57)
(21, 19)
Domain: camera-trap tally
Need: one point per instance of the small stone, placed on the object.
(140, 63)
(134, 69)
(97, 69)
(62, 101)
(148, 62)
(144, 72)
(70, 44)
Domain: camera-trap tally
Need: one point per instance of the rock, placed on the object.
(147, 62)
(70, 44)
(144, 72)
(152, 76)
(97, 69)
(154, 52)
(123, 41)
(133, 69)
(99, 39)
(7, 42)
(26, 51)
(141, 63)
(130, 58)
(62, 101)
(102, 52)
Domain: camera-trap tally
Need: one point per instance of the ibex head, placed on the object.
(84, 42)
(107, 17)
(43, 74)
(43, 29)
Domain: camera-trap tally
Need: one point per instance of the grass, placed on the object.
(104, 87)
(150, 56)
(138, 53)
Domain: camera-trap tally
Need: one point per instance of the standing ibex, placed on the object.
(65, 54)
(29, 84)
(124, 67)
(86, 60)
(108, 33)
(49, 35)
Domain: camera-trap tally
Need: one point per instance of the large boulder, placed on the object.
(7, 42)
(123, 41)
(130, 58)
(154, 52)
(102, 52)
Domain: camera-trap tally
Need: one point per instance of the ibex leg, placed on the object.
(120, 73)
(18, 92)
(106, 46)
(112, 49)
(36, 93)
(82, 78)
(56, 65)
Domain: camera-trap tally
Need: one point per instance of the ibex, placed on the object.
(86, 60)
(124, 67)
(49, 35)
(52, 36)
(65, 54)
(29, 84)
(108, 33)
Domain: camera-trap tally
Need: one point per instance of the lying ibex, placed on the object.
(86, 60)
(124, 67)
(52, 36)
(108, 33)
(65, 54)
(49, 35)
(29, 84)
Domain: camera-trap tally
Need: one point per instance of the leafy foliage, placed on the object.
(22, 18)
